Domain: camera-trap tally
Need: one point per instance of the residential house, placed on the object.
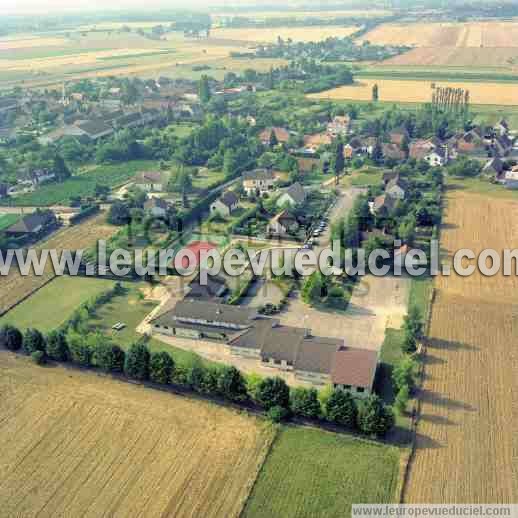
(437, 157)
(156, 207)
(502, 128)
(354, 370)
(203, 319)
(151, 181)
(136, 119)
(494, 166)
(382, 204)
(259, 181)
(393, 151)
(396, 188)
(312, 143)
(282, 224)
(357, 146)
(212, 290)
(93, 130)
(339, 126)
(398, 136)
(419, 149)
(502, 145)
(308, 165)
(32, 224)
(388, 176)
(282, 135)
(293, 195)
(472, 143)
(225, 204)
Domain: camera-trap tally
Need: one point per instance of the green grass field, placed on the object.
(310, 474)
(83, 184)
(53, 304)
(6, 220)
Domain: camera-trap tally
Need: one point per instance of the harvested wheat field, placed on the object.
(16, 287)
(457, 57)
(269, 35)
(467, 438)
(77, 444)
(394, 90)
(451, 34)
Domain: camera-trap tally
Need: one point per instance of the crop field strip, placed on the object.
(78, 444)
(16, 287)
(467, 436)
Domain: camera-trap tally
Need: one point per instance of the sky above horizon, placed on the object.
(66, 6)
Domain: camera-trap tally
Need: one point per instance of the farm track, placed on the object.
(14, 287)
(77, 444)
(467, 437)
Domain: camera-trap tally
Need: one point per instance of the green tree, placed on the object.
(196, 376)
(404, 374)
(80, 351)
(119, 214)
(136, 364)
(39, 357)
(341, 408)
(57, 346)
(375, 93)
(108, 356)
(33, 340)
(232, 385)
(11, 338)
(273, 392)
(273, 139)
(61, 170)
(161, 367)
(412, 328)
(377, 152)
(305, 402)
(374, 418)
(204, 89)
(401, 401)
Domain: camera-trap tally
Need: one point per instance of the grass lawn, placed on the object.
(131, 309)
(53, 304)
(207, 178)
(365, 178)
(311, 473)
(6, 220)
(83, 183)
(482, 186)
(181, 130)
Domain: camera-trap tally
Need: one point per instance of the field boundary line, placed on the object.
(29, 295)
(416, 410)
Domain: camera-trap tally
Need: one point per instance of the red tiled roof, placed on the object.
(355, 367)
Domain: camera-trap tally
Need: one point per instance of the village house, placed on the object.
(358, 146)
(93, 130)
(225, 204)
(281, 134)
(259, 181)
(151, 181)
(382, 205)
(502, 145)
(339, 126)
(419, 148)
(494, 167)
(437, 157)
(156, 207)
(32, 224)
(393, 151)
(502, 128)
(282, 224)
(396, 188)
(308, 165)
(315, 360)
(471, 143)
(212, 290)
(293, 195)
(312, 143)
(398, 136)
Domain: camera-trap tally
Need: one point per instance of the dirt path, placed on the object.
(467, 440)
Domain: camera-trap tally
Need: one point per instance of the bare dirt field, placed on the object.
(77, 444)
(16, 287)
(457, 57)
(468, 434)
(270, 34)
(395, 90)
(426, 34)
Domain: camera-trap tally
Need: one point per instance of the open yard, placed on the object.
(16, 287)
(393, 90)
(311, 473)
(467, 436)
(66, 294)
(6, 220)
(79, 444)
